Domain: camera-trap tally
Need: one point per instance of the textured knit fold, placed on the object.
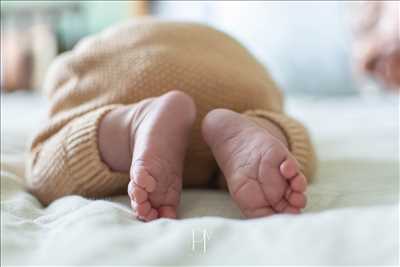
(69, 162)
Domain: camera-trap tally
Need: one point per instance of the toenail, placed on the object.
(288, 169)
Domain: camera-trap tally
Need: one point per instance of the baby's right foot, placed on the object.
(159, 136)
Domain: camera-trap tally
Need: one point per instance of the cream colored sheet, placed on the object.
(352, 216)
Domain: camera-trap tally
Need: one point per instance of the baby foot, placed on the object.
(160, 134)
(262, 175)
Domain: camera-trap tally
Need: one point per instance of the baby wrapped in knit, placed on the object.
(149, 107)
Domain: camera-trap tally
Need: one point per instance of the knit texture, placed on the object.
(133, 61)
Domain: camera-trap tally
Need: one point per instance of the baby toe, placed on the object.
(138, 194)
(144, 180)
(259, 212)
(143, 209)
(289, 168)
(297, 200)
(281, 205)
(291, 210)
(152, 215)
(299, 183)
(167, 212)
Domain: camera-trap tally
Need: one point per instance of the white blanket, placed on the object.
(351, 218)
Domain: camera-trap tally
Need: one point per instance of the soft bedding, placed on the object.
(351, 217)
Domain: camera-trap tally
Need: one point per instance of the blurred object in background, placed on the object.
(16, 60)
(377, 44)
(30, 41)
(306, 45)
(44, 50)
(139, 8)
(33, 33)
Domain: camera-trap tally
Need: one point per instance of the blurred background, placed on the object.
(318, 48)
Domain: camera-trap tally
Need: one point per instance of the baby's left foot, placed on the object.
(262, 175)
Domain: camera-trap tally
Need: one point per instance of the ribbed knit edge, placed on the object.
(70, 163)
(83, 158)
(297, 137)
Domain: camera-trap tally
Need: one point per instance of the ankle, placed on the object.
(114, 139)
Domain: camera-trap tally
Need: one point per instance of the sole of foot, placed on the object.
(160, 136)
(262, 175)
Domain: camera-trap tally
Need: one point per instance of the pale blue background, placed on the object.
(305, 45)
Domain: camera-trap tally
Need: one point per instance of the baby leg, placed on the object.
(259, 161)
(149, 140)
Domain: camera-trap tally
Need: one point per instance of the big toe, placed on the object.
(289, 168)
(142, 209)
(258, 212)
(167, 212)
(150, 216)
